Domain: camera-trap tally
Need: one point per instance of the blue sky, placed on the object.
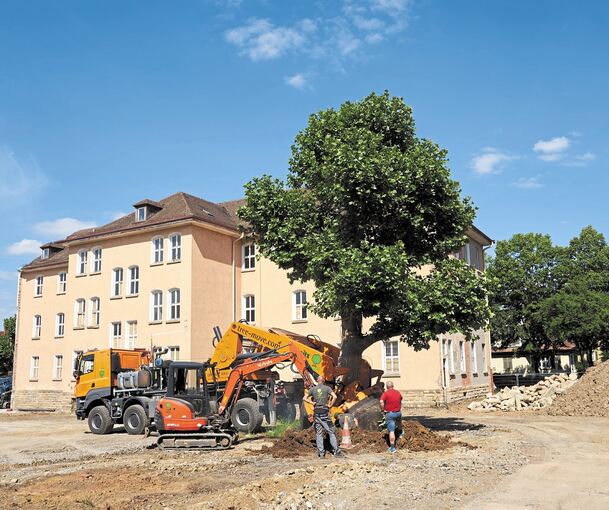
(105, 103)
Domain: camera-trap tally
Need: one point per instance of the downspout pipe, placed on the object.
(234, 280)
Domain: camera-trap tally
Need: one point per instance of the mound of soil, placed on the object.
(416, 438)
(589, 397)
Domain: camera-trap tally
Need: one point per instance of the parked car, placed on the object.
(6, 388)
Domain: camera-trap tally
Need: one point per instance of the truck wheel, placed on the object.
(100, 421)
(135, 420)
(245, 416)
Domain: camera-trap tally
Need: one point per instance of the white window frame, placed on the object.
(134, 280)
(118, 276)
(39, 286)
(248, 255)
(156, 306)
(62, 282)
(474, 353)
(34, 368)
(451, 356)
(175, 248)
(462, 364)
(60, 325)
(143, 209)
(249, 308)
(174, 304)
(81, 264)
(45, 253)
(36, 327)
(131, 336)
(392, 357)
(80, 316)
(94, 312)
(96, 260)
(57, 367)
(157, 255)
(174, 352)
(116, 334)
(300, 312)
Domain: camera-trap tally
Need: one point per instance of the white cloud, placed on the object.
(8, 275)
(261, 40)
(24, 247)
(490, 161)
(298, 81)
(553, 149)
(580, 160)
(528, 183)
(19, 177)
(390, 6)
(61, 228)
(117, 214)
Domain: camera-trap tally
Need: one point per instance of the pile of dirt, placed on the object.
(589, 397)
(416, 438)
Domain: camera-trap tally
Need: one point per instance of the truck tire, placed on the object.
(135, 420)
(100, 421)
(245, 416)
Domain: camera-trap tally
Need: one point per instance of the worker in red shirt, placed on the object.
(391, 405)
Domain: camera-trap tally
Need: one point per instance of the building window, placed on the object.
(299, 305)
(62, 283)
(157, 250)
(38, 288)
(175, 243)
(34, 364)
(45, 253)
(134, 280)
(96, 260)
(249, 308)
(472, 346)
(156, 306)
(391, 357)
(249, 256)
(94, 308)
(462, 356)
(79, 313)
(174, 305)
(117, 282)
(131, 335)
(57, 367)
(60, 325)
(174, 353)
(82, 262)
(37, 326)
(451, 356)
(484, 369)
(116, 335)
(140, 214)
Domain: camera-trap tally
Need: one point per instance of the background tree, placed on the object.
(7, 345)
(522, 274)
(366, 205)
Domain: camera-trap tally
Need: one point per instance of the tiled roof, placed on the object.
(566, 346)
(176, 207)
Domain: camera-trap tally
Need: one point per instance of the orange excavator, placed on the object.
(190, 416)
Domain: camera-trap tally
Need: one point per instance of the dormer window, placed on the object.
(144, 209)
(45, 253)
(140, 213)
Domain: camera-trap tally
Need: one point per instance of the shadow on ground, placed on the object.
(445, 424)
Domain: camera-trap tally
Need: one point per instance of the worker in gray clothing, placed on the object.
(322, 398)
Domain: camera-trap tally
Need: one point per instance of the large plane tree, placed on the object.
(370, 214)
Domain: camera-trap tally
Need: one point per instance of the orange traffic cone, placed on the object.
(345, 442)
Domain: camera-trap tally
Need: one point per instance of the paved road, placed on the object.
(569, 470)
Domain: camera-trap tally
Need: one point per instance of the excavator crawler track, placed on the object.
(201, 441)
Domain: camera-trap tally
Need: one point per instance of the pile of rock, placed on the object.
(518, 398)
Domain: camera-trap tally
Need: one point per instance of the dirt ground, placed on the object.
(50, 461)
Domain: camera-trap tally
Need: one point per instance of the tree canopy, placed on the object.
(7, 345)
(365, 207)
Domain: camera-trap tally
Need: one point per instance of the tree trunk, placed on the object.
(589, 355)
(553, 360)
(352, 345)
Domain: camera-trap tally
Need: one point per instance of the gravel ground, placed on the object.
(50, 461)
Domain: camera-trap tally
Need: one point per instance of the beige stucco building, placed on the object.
(170, 271)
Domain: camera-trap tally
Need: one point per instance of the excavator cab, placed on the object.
(188, 381)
